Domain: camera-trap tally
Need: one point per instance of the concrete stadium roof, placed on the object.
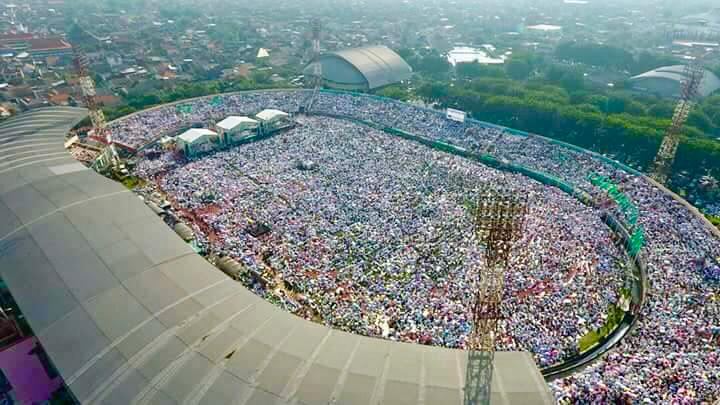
(676, 74)
(379, 65)
(129, 313)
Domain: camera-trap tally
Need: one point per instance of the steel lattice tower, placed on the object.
(97, 117)
(693, 76)
(499, 218)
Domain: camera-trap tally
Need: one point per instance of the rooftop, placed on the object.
(379, 65)
(233, 121)
(48, 44)
(193, 134)
(270, 114)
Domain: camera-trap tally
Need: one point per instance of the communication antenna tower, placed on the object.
(100, 132)
(693, 76)
(498, 223)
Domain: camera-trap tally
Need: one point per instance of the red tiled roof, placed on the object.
(48, 44)
(59, 98)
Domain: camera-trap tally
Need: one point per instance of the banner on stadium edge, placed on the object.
(456, 115)
(629, 210)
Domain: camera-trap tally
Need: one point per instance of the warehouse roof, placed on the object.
(379, 65)
(676, 73)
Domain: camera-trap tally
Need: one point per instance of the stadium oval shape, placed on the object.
(128, 312)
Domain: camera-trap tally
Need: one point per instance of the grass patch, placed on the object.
(714, 220)
(592, 338)
(131, 182)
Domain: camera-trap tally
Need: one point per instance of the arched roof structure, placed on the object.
(368, 67)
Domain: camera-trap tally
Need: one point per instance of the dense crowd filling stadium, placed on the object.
(372, 237)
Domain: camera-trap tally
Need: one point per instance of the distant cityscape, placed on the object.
(150, 47)
(324, 156)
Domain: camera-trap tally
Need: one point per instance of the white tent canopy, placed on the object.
(194, 135)
(271, 115)
(232, 122)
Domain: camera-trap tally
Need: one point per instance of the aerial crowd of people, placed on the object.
(373, 237)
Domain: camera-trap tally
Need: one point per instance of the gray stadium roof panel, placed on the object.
(379, 65)
(128, 312)
(676, 74)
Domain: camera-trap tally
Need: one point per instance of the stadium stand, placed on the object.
(128, 312)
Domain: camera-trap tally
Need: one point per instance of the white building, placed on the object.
(197, 140)
(234, 128)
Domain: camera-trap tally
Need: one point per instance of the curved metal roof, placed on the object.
(379, 65)
(676, 73)
(129, 313)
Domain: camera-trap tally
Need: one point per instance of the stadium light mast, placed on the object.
(498, 223)
(109, 155)
(693, 76)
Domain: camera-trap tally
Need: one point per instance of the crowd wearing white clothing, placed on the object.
(372, 239)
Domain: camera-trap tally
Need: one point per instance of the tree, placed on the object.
(573, 80)
(396, 92)
(433, 64)
(647, 61)
(555, 73)
(432, 91)
(518, 69)
(661, 110)
(471, 70)
(699, 120)
(144, 101)
(406, 53)
(430, 62)
(260, 76)
(595, 54)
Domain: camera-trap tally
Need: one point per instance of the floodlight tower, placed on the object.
(693, 76)
(498, 223)
(97, 117)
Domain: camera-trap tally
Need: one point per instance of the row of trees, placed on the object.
(627, 128)
(539, 95)
(608, 56)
